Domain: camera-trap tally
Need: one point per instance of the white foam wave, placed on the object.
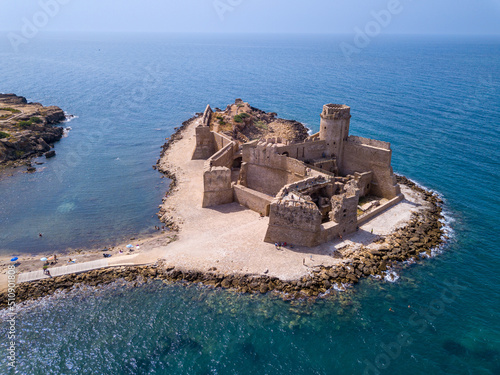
(391, 276)
(410, 261)
(69, 117)
(342, 287)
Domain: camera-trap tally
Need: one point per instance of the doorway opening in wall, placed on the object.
(237, 162)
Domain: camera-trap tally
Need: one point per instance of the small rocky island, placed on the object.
(258, 205)
(27, 130)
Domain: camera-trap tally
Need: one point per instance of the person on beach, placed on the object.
(55, 258)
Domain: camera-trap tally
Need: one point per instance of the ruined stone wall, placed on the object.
(217, 186)
(365, 217)
(363, 182)
(225, 156)
(308, 150)
(266, 171)
(344, 212)
(221, 141)
(361, 156)
(327, 165)
(369, 142)
(205, 146)
(269, 180)
(294, 222)
(305, 185)
(330, 231)
(252, 199)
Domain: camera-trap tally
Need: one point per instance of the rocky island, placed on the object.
(256, 204)
(27, 130)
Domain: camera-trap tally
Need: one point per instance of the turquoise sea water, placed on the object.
(435, 99)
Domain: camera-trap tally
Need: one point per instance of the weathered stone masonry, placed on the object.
(310, 190)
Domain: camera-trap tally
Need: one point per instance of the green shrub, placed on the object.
(237, 118)
(25, 124)
(4, 135)
(12, 110)
(36, 120)
(244, 115)
(31, 121)
(261, 125)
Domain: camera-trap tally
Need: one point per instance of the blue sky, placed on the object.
(248, 16)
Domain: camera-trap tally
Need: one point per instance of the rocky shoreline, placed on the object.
(27, 130)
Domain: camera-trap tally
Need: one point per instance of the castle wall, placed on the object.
(345, 212)
(363, 182)
(294, 222)
(205, 146)
(326, 165)
(360, 155)
(312, 149)
(221, 140)
(225, 156)
(252, 199)
(217, 186)
(329, 232)
(369, 142)
(368, 216)
(269, 180)
(267, 172)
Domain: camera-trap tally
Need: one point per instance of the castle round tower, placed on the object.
(334, 128)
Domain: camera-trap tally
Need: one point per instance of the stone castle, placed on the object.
(312, 191)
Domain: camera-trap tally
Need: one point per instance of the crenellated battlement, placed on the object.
(336, 111)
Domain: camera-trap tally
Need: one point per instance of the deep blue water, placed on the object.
(435, 99)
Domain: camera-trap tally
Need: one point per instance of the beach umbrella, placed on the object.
(130, 246)
(43, 259)
(14, 259)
